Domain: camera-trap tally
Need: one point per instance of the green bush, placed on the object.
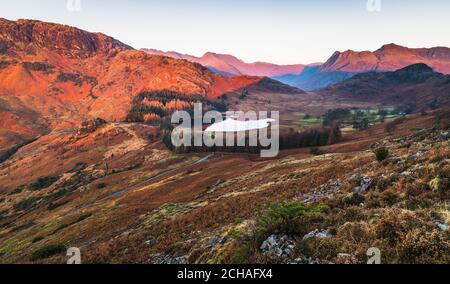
(60, 228)
(82, 218)
(282, 216)
(47, 251)
(37, 239)
(43, 182)
(382, 153)
(78, 167)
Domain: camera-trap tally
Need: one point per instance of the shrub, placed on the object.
(37, 239)
(43, 182)
(82, 218)
(38, 66)
(60, 228)
(353, 199)
(382, 153)
(101, 185)
(394, 225)
(389, 197)
(281, 216)
(440, 185)
(78, 167)
(355, 231)
(420, 246)
(47, 251)
(25, 204)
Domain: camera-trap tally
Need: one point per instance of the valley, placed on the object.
(85, 161)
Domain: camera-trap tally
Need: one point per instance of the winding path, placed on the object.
(139, 184)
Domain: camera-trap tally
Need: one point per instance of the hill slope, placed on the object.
(54, 76)
(416, 86)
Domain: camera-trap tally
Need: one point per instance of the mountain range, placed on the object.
(413, 88)
(86, 159)
(230, 65)
(53, 77)
(340, 66)
(390, 57)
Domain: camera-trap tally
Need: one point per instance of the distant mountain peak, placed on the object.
(22, 34)
(389, 57)
(230, 65)
(392, 46)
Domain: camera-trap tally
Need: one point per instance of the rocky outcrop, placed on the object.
(278, 246)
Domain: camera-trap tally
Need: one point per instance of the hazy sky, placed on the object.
(279, 31)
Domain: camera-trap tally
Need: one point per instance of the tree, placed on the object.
(382, 153)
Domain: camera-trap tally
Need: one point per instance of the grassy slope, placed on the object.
(177, 214)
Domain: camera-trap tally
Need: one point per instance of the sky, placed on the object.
(277, 31)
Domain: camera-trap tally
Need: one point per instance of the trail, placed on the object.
(139, 184)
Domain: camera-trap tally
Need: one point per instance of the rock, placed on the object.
(336, 185)
(217, 240)
(442, 226)
(327, 190)
(365, 184)
(303, 260)
(407, 173)
(166, 259)
(317, 234)
(415, 156)
(445, 135)
(279, 246)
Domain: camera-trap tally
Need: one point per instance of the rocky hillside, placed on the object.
(121, 197)
(415, 87)
(389, 57)
(57, 76)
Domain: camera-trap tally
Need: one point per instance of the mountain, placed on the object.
(54, 76)
(230, 65)
(414, 87)
(312, 78)
(390, 57)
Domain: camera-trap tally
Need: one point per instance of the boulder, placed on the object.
(364, 186)
(303, 260)
(278, 246)
(317, 234)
